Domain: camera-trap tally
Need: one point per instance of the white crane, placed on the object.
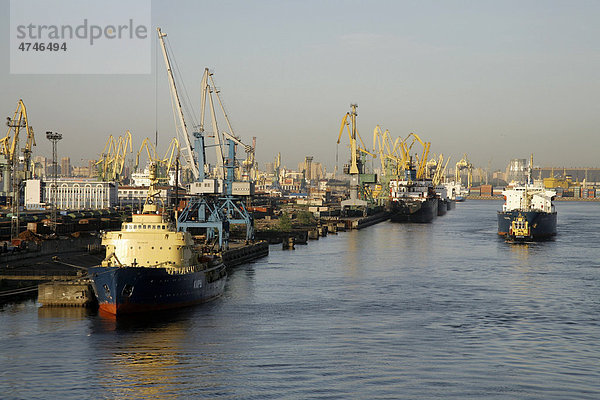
(208, 88)
(180, 126)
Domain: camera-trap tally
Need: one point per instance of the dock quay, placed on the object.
(22, 273)
(240, 253)
(79, 293)
(300, 236)
(363, 222)
(50, 260)
(322, 227)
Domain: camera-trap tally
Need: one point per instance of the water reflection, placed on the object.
(139, 356)
(520, 251)
(66, 313)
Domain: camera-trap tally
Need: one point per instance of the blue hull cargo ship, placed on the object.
(528, 212)
(532, 225)
(149, 266)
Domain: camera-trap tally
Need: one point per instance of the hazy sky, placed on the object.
(493, 79)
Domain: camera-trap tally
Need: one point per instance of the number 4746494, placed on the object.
(37, 46)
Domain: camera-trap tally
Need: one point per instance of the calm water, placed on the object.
(445, 310)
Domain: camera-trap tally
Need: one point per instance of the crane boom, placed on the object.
(182, 128)
(220, 164)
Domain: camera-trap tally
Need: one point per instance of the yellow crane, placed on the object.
(9, 160)
(436, 169)
(464, 163)
(118, 161)
(158, 168)
(112, 159)
(103, 162)
(441, 174)
(162, 166)
(405, 148)
(391, 160)
(356, 164)
(432, 166)
(349, 122)
(150, 151)
(171, 156)
(9, 145)
(421, 159)
(385, 149)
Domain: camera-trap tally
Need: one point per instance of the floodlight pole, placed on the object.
(54, 137)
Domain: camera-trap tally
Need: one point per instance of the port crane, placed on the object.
(421, 160)
(436, 169)
(464, 163)
(385, 149)
(390, 160)
(359, 191)
(197, 167)
(213, 205)
(164, 163)
(112, 159)
(225, 165)
(9, 161)
(9, 148)
(159, 168)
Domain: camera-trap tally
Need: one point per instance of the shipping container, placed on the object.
(486, 190)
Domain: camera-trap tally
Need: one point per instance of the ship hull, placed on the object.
(451, 204)
(414, 210)
(542, 224)
(442, 207)
(127, 290)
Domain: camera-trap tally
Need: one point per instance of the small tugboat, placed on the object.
(150, 266)
(528, 212)
(412, 200)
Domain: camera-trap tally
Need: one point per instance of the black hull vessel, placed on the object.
(126, 290)
(451, 204)
(528, 211)
(150, 266)
(418, 210)
(442, 207)
(527, 225)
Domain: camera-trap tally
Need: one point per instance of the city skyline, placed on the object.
(496, 81)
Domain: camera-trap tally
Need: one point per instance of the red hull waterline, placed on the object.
(113, 309)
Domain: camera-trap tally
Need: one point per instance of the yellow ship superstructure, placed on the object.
(149, 241)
